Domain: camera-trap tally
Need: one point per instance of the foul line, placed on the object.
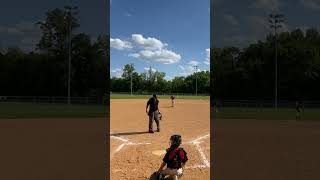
(195, 142)
(126, 142)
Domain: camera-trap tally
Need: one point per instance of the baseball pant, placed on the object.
(172, 173)
(153, 116)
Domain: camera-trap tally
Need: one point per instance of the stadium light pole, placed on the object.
(70, 11)
(196, 69)
(131, 78)
(275, 21)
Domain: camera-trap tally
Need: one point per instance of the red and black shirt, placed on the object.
(175, 158)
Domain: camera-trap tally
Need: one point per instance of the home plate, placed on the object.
(159, 152)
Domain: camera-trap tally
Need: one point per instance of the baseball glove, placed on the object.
(160, 115)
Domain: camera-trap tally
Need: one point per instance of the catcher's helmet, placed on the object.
(175, 140)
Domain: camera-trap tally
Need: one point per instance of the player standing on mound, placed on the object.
(153, 112)
(172, 101)
(175, 159)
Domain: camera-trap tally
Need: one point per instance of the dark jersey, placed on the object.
(298, 106)
(153, 103)
(175, 158)
(172, 97)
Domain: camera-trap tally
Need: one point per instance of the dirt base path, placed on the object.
(132, 147)
(52, 149)
(264, 150)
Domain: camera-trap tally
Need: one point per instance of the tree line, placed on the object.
(155, 82)
(44, 71)
(249, 73)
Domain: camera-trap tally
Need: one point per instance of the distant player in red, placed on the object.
(172, 101)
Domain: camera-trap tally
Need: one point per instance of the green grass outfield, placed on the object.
(128, 96)
(31, 110)
(264, 113)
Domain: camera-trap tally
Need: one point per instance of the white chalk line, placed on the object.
(202, 137)
(196, 167)
(195, 142)
(187, 167)
(203, 156)
(126, 143)
(119, 138)
(120, 147)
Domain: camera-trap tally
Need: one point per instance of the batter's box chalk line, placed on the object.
(126, 142)
(195, 142)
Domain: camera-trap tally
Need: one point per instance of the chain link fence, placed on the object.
(260, 104)
(54, 100)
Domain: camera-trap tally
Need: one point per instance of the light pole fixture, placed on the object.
(196, 70)
(71, 10)
(276, 21)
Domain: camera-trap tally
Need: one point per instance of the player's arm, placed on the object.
(147, 106)
(161, 167)
(184, 161)
(182, 165)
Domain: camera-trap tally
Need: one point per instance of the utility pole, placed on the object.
(196, 69)
(131, 77)
(275, 21)
(70, 12)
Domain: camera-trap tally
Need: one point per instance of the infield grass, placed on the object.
(264, 113)
(128, 96)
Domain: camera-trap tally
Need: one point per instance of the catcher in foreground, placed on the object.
(175, 159)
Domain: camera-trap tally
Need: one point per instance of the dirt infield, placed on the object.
(264, 150)
(52, 149)
(131, 147)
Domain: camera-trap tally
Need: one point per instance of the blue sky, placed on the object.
(18, 18)
(170, 36)
(238, 23)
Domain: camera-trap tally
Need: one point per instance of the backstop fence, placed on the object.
(264, 104)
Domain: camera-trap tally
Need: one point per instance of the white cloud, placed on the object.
(260, 25)
(267, 5)
(162, 56)
(23, 28)
(148, 49)
(207, 61)
(120, 44)
(127, 14)
(116, 72)
(303, 28)
(231, 19)
(258, 28)
(181, 67)
(148, 43)
(188, 69)
(312, 4)
(148, 68)
(193, 63)
(24, 34)
(168, 78)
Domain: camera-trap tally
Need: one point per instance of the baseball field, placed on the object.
(265, 144)
(51, 141)
(136, 154)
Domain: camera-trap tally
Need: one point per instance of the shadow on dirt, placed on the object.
(129, 133)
